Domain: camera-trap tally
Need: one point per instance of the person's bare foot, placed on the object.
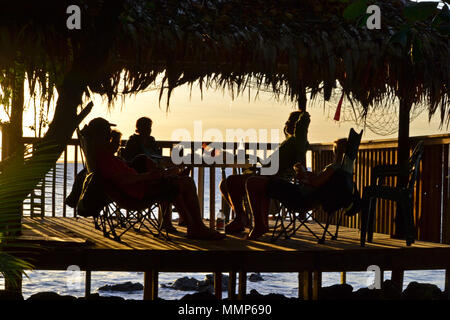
(235, 226)
(256, 233)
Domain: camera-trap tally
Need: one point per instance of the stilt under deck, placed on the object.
(62, 242)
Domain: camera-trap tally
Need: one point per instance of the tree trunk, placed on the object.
(19, 177)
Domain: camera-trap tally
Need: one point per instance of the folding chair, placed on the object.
(403, 196)
(303, 215)
(121, 213)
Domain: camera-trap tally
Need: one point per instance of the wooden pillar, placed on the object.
(447, 283)
(87, 284)
(307, 285)
(343, 277)
(316, 284)
(403, 157)
(151, 285)
(218, 285)
(232, 285)
(397, 279)
(212, 198)
(242, 291)
(301, 283)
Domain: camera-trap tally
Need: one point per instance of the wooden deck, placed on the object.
(61, 242)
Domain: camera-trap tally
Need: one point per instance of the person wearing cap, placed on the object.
(155, 185)
(77, 187)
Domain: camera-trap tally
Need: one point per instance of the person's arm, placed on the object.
(301, 136)
(311, 179)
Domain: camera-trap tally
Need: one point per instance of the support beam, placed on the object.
(402, 159)
(232, 285)
(307, 285)
(397, 279)
(343, 277)
(242, 291)
(447, 283)
(218, 285)
(87, 283)
(316, 284)
(151, 285)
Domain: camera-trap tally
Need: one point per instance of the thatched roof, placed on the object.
(285, 45)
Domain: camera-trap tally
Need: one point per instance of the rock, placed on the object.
(10, 296)
(97, 297)
(390, 291)
(421, 291)
(183, 284)
(200, 296)
(208, 283)
(255, 295)
(192, 284)
(123, 287)
(255, 277)
(367, 294)
(46, 296)
(336, 292)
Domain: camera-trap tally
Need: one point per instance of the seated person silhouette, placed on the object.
(291, 150)
(311, 189)
(142, 142)
(140, 147)
(154, 185)
(77, 187)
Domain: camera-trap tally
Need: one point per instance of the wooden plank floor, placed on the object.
(66, 241)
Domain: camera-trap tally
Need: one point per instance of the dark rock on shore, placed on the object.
(255, 295)
(336, 292)
(192, 284)
(97, 297)
(422, 291)
(255, 277)
(50, 296)
(123, 287)
(205, 295)
(388, 291)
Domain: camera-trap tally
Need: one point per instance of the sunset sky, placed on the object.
(218, 110)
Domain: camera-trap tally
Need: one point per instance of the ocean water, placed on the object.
(72, 283)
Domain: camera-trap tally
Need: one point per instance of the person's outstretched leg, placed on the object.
(233, 190)
(188, 206)
(259, 204)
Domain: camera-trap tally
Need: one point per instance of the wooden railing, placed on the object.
(431, 197)
(431, 194)
(48, 197)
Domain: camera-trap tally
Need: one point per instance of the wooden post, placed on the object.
(87, 284)
(316, 284)
(343, 277)
(212, 198)
(403, 157)
(151, 285)
(218, 285)
(301, 283)
(232, 285)
(447, 283)
(307, 285)
(242, 291)
(201, 189)
(397, 279)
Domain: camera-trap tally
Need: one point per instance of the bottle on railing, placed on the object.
(220, 222)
